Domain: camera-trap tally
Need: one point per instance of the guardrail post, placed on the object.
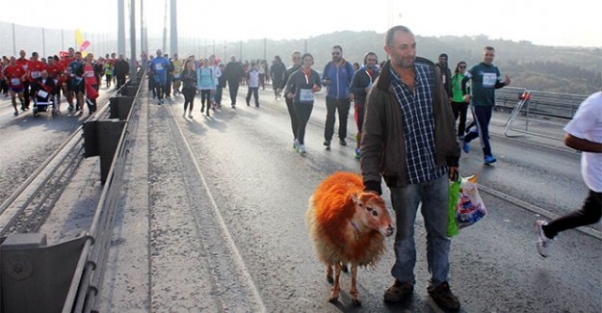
(119, 107)
(100, 139)
(36, 277)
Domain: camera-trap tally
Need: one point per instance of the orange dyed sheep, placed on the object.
(347, 225)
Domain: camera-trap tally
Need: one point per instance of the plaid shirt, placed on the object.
(418, 125)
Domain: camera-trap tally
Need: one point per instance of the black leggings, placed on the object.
(303, 112)
(460, 109)
(189, 93)
(590, 213)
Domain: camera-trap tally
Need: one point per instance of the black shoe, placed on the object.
(443, 296)
(327, 144)
(248, 104)
(342, 142)
(399, 292)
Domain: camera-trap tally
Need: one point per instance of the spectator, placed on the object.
(408, 139)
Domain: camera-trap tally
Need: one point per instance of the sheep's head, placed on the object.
(372, 212)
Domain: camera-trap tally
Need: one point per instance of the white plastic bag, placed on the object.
(470, 208)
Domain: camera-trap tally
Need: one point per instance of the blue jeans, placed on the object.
(481, 116)
(433, 195)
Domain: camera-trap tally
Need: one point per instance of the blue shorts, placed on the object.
(16, 89)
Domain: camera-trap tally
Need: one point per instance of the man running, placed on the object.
(15, 75)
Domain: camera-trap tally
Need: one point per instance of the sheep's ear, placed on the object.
(473, 178)
(356, 199)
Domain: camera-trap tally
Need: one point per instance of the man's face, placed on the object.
(443, 61)
(403, 50)
(34, 56)
(78, 56)
(371, 61)
(337, 55)
(488, 56)
(296, 59)
(22, 53)
(233, 58)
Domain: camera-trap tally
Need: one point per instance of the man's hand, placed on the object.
(453, 173)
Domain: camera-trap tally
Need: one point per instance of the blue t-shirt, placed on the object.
(159, 66)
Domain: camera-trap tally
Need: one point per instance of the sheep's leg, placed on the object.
(353, 291)
(334, 296)
(329, 273)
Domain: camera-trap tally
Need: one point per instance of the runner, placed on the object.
(67, 86)
(55, 70)
(34, 72)
(177, 71)
(24, 63)
(15, 74)
(76, 71)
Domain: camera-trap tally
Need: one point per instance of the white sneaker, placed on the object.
(295, 144)
(301, 149)
(543, 242)
(190, 114)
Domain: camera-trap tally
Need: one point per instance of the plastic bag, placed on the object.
(453, 196)
(470, 208)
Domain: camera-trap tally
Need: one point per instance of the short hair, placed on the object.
(338, 47)
(369, 54)
(295, 52)
(307, 54)
(391, 32)
(443, 55)
(490, 48)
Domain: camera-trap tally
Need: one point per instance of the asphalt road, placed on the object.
(213, 209)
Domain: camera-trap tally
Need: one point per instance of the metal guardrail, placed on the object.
(62, 277)
(529, 106)
(89, 273)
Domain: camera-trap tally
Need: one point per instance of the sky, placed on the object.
(552, 22)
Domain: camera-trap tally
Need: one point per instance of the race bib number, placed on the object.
(159, 67)
(89, 74)
(15, 81)
(42, 94)
(489, 79)
(176, 76)
(35, 74)
(306, 95)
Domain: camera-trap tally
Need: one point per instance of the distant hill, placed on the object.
(546, 68)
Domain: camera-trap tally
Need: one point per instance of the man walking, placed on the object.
(234, 74)
(337, 77)
(409, 139)
(159, 67)
(485, 79)
(361, 84)
(296, 59)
